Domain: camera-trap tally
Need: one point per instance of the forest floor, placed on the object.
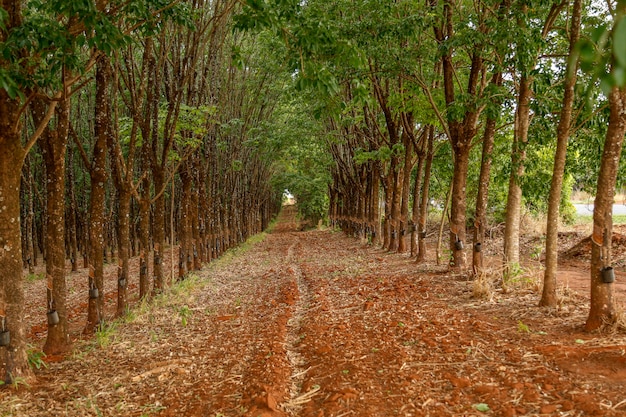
(318, 324)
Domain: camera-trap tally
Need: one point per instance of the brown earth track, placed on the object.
(316, 324)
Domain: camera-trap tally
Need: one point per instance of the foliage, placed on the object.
(303, 160)
(36, 358)
(62, 35)
(185, 314)
(105, 333)
(602, 54)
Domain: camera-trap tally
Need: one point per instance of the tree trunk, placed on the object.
(71, 214)
(144, 239)
(123, 236)
(97, 226)
(602, 305)
(29, 237)
(54, 145)
(184, 236)
(394, 218)
(375, 202)
(423, 213)
(514, 198)
(158, 227)
(458, 208)
(548, 296)
(13, 358)
(417, 186)
(388, 195)
(480, 220)
(406, 186)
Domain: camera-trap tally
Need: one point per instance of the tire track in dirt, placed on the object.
(294, 334)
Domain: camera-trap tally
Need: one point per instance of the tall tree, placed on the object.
(13, 358)
(602, 303)
(548, 296)
(54, 145)
(529, 47)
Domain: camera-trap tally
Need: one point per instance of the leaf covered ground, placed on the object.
(318, 324)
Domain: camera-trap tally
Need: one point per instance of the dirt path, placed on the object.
(315, 324)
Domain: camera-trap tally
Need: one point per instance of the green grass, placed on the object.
(617, 219)
(34, 277)
(228, 256)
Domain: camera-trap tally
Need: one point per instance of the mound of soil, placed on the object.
(581, 251)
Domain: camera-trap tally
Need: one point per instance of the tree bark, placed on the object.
(184, 236)
(406, 185)
(29, 238)
(144, 239)
(458, 210)
(123, 236)
(518, 155)
(13, 358)
(417, 186)
(602, 305)
(548, 295)
(423, 211)
(99, 178)
(71, 213)
(158, 227)
(375, 203)
(54, 145)
(480, 220)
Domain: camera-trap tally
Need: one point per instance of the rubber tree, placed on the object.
(461, 122)
(548, 296)
(529, 45)
(54, 146)
(602, 304)
(134, 86)
(17, 64)
(602, 310)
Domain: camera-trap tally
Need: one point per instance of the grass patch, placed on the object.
(106, 333)
(36, 357)
(617, 219)
(244, 247)
(34, 277)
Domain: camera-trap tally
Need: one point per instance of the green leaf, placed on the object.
(522, 328)
(4, 15)
(482, 407)
(619, 42)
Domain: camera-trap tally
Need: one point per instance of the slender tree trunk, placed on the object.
(71, 214)
(423, 212)
(158, 227)
(144, 239)
(458, 208)
(375, 202)
(123, 236)
(30, 246)
(185, 226)
(388, 195)
(417, 186)
(195, 232)
(480, 221)
(548, 296)
(13, 358)
(54, 145)
(99, 176)
(514, 199)
(602, 304)
(394, 220)
(406, 186)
